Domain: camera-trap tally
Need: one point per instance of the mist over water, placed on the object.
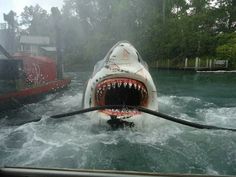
(159, 146)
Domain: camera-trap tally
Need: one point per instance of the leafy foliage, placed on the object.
(160, 29)
(227, 47)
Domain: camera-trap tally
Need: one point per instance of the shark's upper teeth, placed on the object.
(118, 84)
(142, 95)
(139, 87)
(130, 84)
(108, 86)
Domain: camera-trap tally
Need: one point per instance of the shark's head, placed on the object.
(121, 78)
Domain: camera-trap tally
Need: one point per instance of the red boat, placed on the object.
(23, 77)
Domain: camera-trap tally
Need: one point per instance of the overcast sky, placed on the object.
(18, 5)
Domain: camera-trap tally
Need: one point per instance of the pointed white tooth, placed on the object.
(135, 86)
(119, 84)
(130, 84)
(114, 85)
(142, 93)
(125, 84)
(117, 110)
(139, 87)
(108, 86)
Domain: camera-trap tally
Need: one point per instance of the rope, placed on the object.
(148, 111)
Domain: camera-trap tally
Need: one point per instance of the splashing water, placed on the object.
(157, 146)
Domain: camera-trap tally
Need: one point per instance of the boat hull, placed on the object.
(28, 95)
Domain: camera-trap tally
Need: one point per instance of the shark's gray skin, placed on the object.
(121, 78)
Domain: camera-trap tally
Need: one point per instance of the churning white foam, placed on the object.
(224, 116)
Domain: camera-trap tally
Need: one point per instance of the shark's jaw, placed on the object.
(121, 78)
(121, 91)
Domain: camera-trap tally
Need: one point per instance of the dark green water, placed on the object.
(160, 146)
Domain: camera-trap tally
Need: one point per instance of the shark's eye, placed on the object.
(121, 91)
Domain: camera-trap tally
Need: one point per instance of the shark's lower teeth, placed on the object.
(121, 91)
(121, 112)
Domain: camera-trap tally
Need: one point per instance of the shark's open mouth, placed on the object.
(121, 91)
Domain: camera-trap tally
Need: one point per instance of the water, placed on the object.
(160, 146)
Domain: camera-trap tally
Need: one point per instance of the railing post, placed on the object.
(226, 63)
(186, 63)
(157, 64)
(196, 63)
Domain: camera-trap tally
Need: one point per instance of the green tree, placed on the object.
(35, 20)
(226, 49)
(160, 29)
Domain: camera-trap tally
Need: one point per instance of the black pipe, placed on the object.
(148, 111)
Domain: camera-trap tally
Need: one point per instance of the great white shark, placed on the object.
(121, 78)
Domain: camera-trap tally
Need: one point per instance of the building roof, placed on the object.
(49, 49)
(38, 40)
